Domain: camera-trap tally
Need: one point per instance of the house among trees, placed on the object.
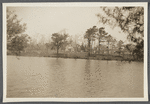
(71, 47)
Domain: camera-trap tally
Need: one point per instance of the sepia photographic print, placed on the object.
(87, 52)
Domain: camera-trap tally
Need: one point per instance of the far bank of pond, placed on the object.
(83, 55)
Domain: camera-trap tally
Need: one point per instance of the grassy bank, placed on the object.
(79, 55)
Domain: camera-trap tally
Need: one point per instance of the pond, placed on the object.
(33, 77)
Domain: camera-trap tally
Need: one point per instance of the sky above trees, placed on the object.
(75, 20)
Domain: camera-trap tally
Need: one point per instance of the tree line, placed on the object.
(131, 21)
(132, 24)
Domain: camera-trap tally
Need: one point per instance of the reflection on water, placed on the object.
(52, 77)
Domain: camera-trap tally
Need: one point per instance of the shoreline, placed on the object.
(113, 58)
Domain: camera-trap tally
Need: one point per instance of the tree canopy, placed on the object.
(59, 40)
(18, 44)
(100, 35)
(129, 19)
(14, 27)
(16, 41)
(90, 36)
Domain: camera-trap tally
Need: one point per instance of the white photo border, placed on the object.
(76, 4)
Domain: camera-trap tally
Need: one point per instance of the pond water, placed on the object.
(73, 78)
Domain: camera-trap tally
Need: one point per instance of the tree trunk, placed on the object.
(89, 42)
(99, 47)
(57, 51)
(112, 49)
(119, 51)
(92, 48)
(18, 53)
(108, 48)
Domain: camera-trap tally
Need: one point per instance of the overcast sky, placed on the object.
(47, 20)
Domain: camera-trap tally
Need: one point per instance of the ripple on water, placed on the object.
(52, 77)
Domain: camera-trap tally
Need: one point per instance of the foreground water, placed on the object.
(52, 77)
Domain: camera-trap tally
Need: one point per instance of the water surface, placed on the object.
(73, 78)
